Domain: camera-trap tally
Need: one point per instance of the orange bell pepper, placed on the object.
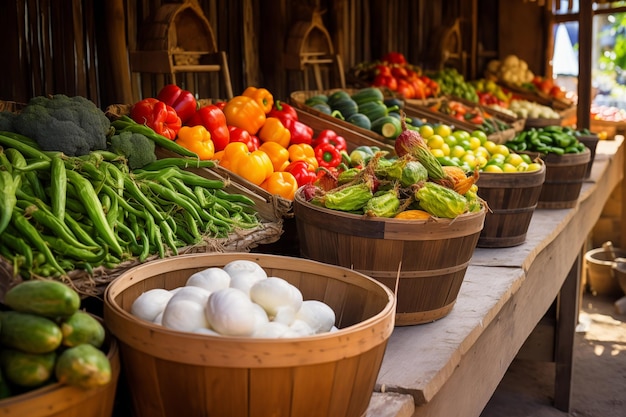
(303, 152)
(277, 153)
(254, 166)
(283, 184)
(197, 139)
(273, 130)
(262, 96)
(244, 112)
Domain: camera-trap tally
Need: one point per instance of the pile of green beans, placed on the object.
(60, 213)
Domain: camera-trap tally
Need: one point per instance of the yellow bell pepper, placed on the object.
(255, 166)
(277, 153)
(262, 96)
(303, 152)
(283, 184)
(197, 139)
(245, 113)
(273, 130)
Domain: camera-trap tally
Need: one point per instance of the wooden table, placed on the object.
(451, 367)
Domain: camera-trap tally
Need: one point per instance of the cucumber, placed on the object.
(338, 96)
(29, 333)
(47, 298)
(360, 120)
(373, 109)
(83, 366)
(27, 369)
(387, 126)
(347, 107)
(367, 94)
(82, 327)
(320, 98)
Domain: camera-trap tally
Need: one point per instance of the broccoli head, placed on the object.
(6, 121)
(72, 125)
(138, 149)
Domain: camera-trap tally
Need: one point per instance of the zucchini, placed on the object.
(82, 327)
(27, 369)
(387, 126)
(367, 94)
(29, 333)
(83, 366)
(393, 101)
(347, 107)
(47, 298)
(360, 120)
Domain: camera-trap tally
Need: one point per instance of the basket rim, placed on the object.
(384, 319)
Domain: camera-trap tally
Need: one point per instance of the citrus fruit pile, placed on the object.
(471, 150)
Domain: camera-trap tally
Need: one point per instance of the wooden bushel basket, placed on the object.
(427, 259)
(512, 199)
(172, 373)
(564, 179)
(59, 400)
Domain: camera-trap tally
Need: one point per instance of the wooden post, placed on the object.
(118, 56)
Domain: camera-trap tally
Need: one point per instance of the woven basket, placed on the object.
(326, 375)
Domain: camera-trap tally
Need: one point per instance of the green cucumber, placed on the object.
(29, 332)
(338, 96)
(47, 298)
(27, 369)
(360, 120)
(367, 94)
(373, 109)
(347, 107)
(320, 98)
(387, 126)
(82, 327)
(83, 366)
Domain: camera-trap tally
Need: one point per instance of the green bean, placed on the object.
(19, 142)
(134, 191)
(163, 163)
(80, 232)
(58, 187)
(19, 245)
(37, 165)
(192, 179)
(88, 196)
(31, 234)
(146, 246)
(233, 197)
(168, 235)
(173, 197)
(8, 200)
(62, 247)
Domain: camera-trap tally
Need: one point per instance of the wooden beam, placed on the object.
(585, 29)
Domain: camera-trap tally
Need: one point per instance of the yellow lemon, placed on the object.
(534, 166)
(481, 161)
(482, 136)
(490, 146)
(437, 152)
(474, 143)
(470, 160)
(493, 168)
(435, 142)
(502, 150)
(426, 131)
(443, 130)
(522, 167)
(457, 151)
(509, 168)
(514, 159)
(461, 135)
(446, 149)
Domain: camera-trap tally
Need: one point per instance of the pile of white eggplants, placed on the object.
(238, 300)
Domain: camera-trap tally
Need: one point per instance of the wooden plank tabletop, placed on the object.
(452, 366)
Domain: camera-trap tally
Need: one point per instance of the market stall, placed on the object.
(452, 366)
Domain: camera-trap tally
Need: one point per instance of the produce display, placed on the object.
(531, 110)
(45, 338)
(366, 108)
(475, 115)
(393, 73)
(452, 83)
(413, 182)
(474, 150)
(550, 139)
(60, 213)
(239, 300)
(512, 70)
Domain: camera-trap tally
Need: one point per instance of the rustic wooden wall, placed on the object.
(80, 47)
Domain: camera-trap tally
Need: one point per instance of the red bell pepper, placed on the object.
(300, 170)
(158, 116)
(283, 110)
(238, 134)
(300, 132)
(182, 101)
(327, 155)
(213, 119)
(394, 58)
(330, 136)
